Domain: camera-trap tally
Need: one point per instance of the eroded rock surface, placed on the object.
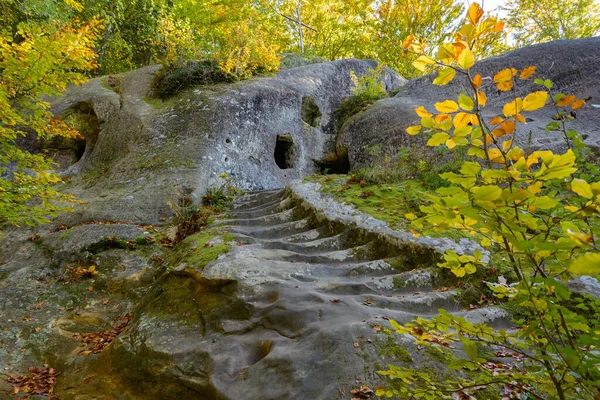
(262, 133)
(296, 309)
(570, 64)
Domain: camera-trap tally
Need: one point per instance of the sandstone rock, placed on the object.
(570, 64)
(262, 133)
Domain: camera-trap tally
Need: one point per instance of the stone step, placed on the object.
(263, 220)
(275, 231)
(330, 243)
(260, 211)
(257, 202)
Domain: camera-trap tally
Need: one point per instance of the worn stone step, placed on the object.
(307, 236)
(331, 257)
(273, 207)
(261, 194)
(275, 218)
(256, 202)
(330, 243)
(275, 231)
(426, 303)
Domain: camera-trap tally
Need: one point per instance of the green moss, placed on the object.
(398, 282)
(159, 104)
(105, 243)
(393, 350)
(66, 234)
(440, 355)
(196, 250)
(141, 241)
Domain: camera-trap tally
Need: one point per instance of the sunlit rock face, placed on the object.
(572, 65)
(262, 133)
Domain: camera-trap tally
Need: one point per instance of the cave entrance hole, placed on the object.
(284, 152)
(83, 118)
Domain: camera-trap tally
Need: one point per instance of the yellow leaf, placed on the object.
(534, 101)
(481, 98)
(446, 51)
(438, 139)
(474, 13)
(505, 86)
(442, 118)
(496, 120)
(506, 144)
(422, 112)
(512, 108)
(505, 75)
(508, 127)
(498, 27)
(413, 130)
(75, 4)
(462, 132)
(422, 62)
(450, 143)
(408, 42)
(519, 118)
(535, 188)
(465, 102)
(582, 188)
(477, 81)
(527, 72)
(578, 104)
(498, 133)
(565, 101)
(461, 120)
(447, 106)
(571, 208)
(466, 59)
(444, 76)
(474, 120)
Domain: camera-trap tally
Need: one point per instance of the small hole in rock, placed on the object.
(260, 351)
(310, 111)
(228, 140)
(284, 152)
(334, 163)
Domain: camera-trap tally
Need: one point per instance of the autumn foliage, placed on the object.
(533, 209)
(37, 60)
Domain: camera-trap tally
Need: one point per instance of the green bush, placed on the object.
(174, 78)
(368, 90)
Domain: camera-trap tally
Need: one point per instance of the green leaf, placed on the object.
(544, 202)
(470, 168)
(465, 102)
(445, 76)
(466, 59)
(438, 139)
(587, 264)
(489, 193)
(470, 348)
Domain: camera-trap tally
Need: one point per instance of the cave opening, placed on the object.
(284, 152)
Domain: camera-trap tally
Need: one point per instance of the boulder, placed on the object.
(262, 133)
(570, 64)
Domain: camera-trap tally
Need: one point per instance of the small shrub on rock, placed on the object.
(368, 89)
(174, 78)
